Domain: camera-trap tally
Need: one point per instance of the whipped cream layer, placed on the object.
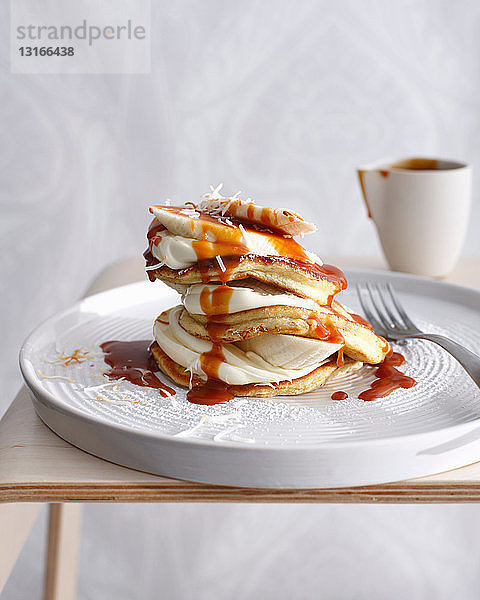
(174, 251)
(179, 252)
(215, 299)
(242, 363)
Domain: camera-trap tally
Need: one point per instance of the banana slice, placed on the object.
(190, 223)
(282, 219)
(289, 351)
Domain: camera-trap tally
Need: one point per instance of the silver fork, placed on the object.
(390, 320)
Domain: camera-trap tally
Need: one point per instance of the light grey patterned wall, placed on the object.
(280, 100)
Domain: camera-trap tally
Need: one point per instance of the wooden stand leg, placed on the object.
(62, 551)
(16, 522)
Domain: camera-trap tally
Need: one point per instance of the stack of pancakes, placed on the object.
(258, 314)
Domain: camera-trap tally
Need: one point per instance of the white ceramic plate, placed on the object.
(296, 441)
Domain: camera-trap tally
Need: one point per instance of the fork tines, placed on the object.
(382, 308)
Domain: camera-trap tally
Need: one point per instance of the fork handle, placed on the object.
(469, 361)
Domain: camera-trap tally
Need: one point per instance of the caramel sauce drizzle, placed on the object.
(154, 228)
(134, 362)
(389, 379)
(217, 301)
(150, 260)
(361, 321)
(267, 216)
(214, 390)
(327, 332)
(212, 360)
(361, 175)
(205, 249)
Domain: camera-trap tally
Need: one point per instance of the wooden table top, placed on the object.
(38, 466)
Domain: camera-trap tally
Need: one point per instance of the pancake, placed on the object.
(302, 385)
(247, 324)
(361, 343)
(318, 282)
